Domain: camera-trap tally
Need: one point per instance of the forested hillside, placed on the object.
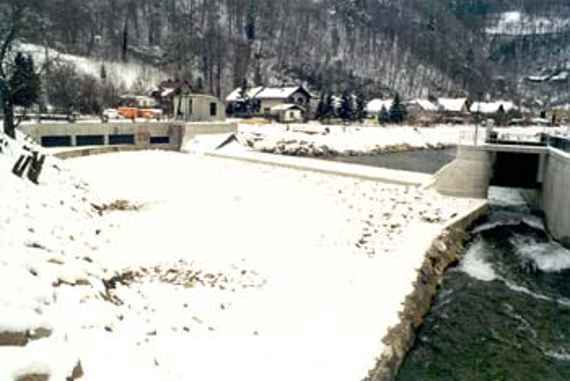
(377, 47)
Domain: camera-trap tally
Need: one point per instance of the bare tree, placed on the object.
(16, 22)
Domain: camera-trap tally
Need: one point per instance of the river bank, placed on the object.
(446, 251)
(502, 314)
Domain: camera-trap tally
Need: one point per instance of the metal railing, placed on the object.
(559, 142)
(474, 137)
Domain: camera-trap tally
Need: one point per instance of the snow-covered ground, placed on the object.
(316, 267)
(212, 269)
(321, 140)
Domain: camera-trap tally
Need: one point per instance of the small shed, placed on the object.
(288, 113)
(198, 108)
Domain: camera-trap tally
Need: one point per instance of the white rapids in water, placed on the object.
(476, 265)
(548, 256)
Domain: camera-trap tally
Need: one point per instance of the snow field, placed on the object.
(223, 269)
(312, 269)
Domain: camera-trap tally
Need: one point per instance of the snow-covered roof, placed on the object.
(424, 104)
(167, 92)
(376, 105)
(235, 95)
(285, 107)
(278, 92)
(492, 107)
(451, 104)
(537, 78)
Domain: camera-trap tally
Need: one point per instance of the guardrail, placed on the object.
(559, 142)
(483, 136)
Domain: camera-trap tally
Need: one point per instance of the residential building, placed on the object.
(198, 108)
(270, 97)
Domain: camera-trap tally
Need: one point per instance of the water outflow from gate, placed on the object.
(504, 312)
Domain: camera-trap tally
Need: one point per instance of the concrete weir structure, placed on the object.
(83, 139)
(542, 167)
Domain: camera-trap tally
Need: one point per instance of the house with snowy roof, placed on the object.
(453, 110)
(421, 111)
(375, 106)
(454, 105)
(496, 110)
(490, 108)
(271, 97)
(275, 96)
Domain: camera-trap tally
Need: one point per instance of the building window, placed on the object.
(213, 109)
(121, 139)
(90, 140)
(159, 140)
(56, 141)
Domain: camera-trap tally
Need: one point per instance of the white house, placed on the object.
(198, 108)
(269, 97)
(375, 106)
(288, 113)
(453, 105)
(421, 111)
(275, 96)
(421, 105)
(492, 107)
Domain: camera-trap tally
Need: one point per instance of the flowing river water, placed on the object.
(424, 161)
(504, 312)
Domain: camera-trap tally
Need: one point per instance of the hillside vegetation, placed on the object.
(376, 47)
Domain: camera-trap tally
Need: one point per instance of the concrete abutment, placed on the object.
(472, 172)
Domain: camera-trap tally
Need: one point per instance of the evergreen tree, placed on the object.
(25, 82)
(103, 73)
(321, 108)
(383, 116)
(360, 113)
(398, 111)
(330, 107)
(346, 111)
(250, 22)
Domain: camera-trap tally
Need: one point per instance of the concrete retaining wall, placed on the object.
(143, 134)
(556, 195)
(165, 136)
(469, 175)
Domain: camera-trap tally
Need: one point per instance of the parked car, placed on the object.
(111, 113)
